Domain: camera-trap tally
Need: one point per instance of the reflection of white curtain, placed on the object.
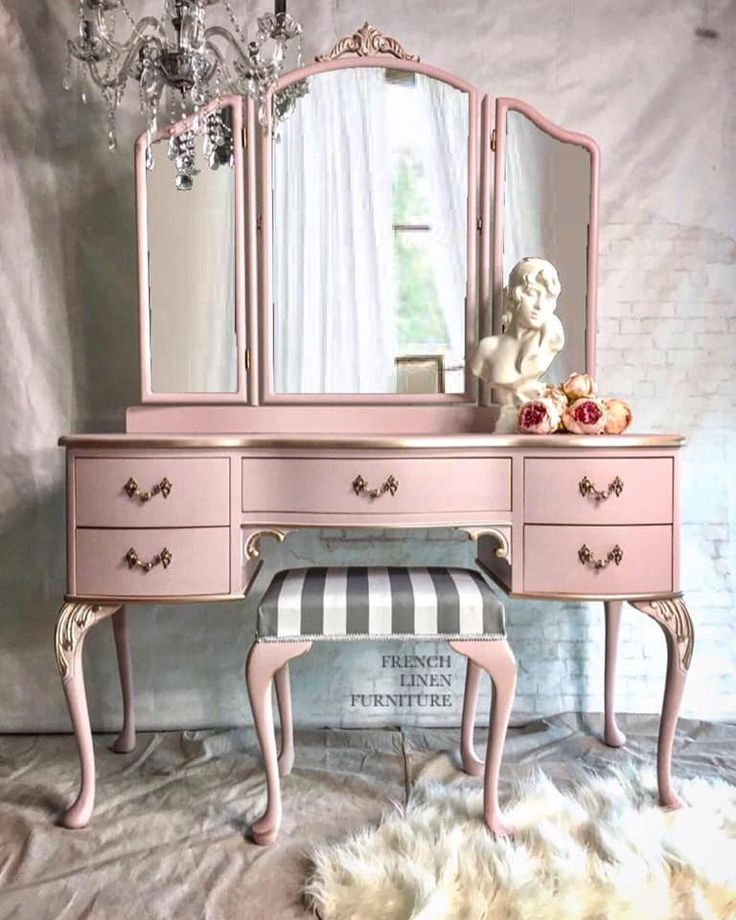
(333, 281)
(445, 154)
(191, 238)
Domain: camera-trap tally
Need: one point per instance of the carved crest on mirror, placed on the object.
(368, 41)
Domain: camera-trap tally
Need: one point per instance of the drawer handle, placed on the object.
(586, 557)
(163, 558)
(132, 488)
(390, 485)
(587, 488)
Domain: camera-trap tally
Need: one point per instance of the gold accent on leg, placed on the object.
(368, 41)
(73, 622)
(673, 616)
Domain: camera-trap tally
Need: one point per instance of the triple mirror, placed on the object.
(370, 239)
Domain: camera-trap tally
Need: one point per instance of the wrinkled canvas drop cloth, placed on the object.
(168, 836)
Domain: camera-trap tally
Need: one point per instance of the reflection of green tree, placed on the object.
(420, 319)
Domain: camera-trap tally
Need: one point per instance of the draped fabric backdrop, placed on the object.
(659, 100)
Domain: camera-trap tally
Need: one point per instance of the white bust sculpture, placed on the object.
(531, 336)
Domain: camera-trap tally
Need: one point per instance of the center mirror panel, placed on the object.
(370, 197)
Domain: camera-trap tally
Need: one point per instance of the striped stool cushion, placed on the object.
(368, 603)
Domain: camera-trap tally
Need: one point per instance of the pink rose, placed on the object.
(618, 416)
(555, 395)
(538, 417)
(585, 416)
(578, 385)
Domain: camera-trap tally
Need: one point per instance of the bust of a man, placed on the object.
(531, 336)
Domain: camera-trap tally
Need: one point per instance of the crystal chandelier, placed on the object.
(181, 63)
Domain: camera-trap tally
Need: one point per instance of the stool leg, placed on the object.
(472, 764)
(283, 697)
(264, 660)
(495, 657)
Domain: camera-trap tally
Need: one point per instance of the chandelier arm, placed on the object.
(220, 32)
(120, 78)
(138, 32)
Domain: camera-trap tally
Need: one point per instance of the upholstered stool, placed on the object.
(302, 606)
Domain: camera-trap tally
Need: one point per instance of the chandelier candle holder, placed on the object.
(182, 62)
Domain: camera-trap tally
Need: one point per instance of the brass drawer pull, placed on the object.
(586, 557)
(163, 558)
(587, 488)
(390, 485)
(132, 489)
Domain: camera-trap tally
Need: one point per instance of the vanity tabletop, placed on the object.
(383, 441)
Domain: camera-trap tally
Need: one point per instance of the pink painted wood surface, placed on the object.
(551, 559)
(612, 734)
(243, 242)
(125, 741)
(503, 106)
(497, 659)
(283, 697)
(552, 491)
(485, 237)
(200, 562)
(324, 486)
(264, 661)
(472, 764)
(200, 492)
(267, 394)
(325, 419)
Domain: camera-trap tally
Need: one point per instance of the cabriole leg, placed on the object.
(495, 657)
(126, 739)
(612, 734)
(264, 660)
(283, 697)
(73, 622)
(674, 618)
(472, 764)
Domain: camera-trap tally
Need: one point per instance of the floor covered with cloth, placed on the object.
(168, 835)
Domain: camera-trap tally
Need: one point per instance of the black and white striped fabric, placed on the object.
(355, 603)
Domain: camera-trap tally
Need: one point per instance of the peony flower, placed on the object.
(555, 395)
(538, 417)
(618, 416)
(585, 416)
(579, 385)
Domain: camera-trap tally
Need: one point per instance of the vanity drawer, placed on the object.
(552, 563)
(639, 491)
(425, 485)
(199, 493)
(199, 562)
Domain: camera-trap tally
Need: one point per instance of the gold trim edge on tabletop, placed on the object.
(381, 442)
(368, 41)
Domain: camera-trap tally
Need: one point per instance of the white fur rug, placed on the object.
(599, 849)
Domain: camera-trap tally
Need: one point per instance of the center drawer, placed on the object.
(152, 491)
(423, 485)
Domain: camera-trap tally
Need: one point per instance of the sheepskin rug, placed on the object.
(596, 849)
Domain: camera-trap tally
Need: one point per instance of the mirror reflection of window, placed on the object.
(370, 232)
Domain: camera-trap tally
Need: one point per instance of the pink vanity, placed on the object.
(290, 380)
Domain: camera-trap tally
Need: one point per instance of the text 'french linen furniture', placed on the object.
(307, 314)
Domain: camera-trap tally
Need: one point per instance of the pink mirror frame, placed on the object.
(503, 106)
(267, 394)
(245, 261)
